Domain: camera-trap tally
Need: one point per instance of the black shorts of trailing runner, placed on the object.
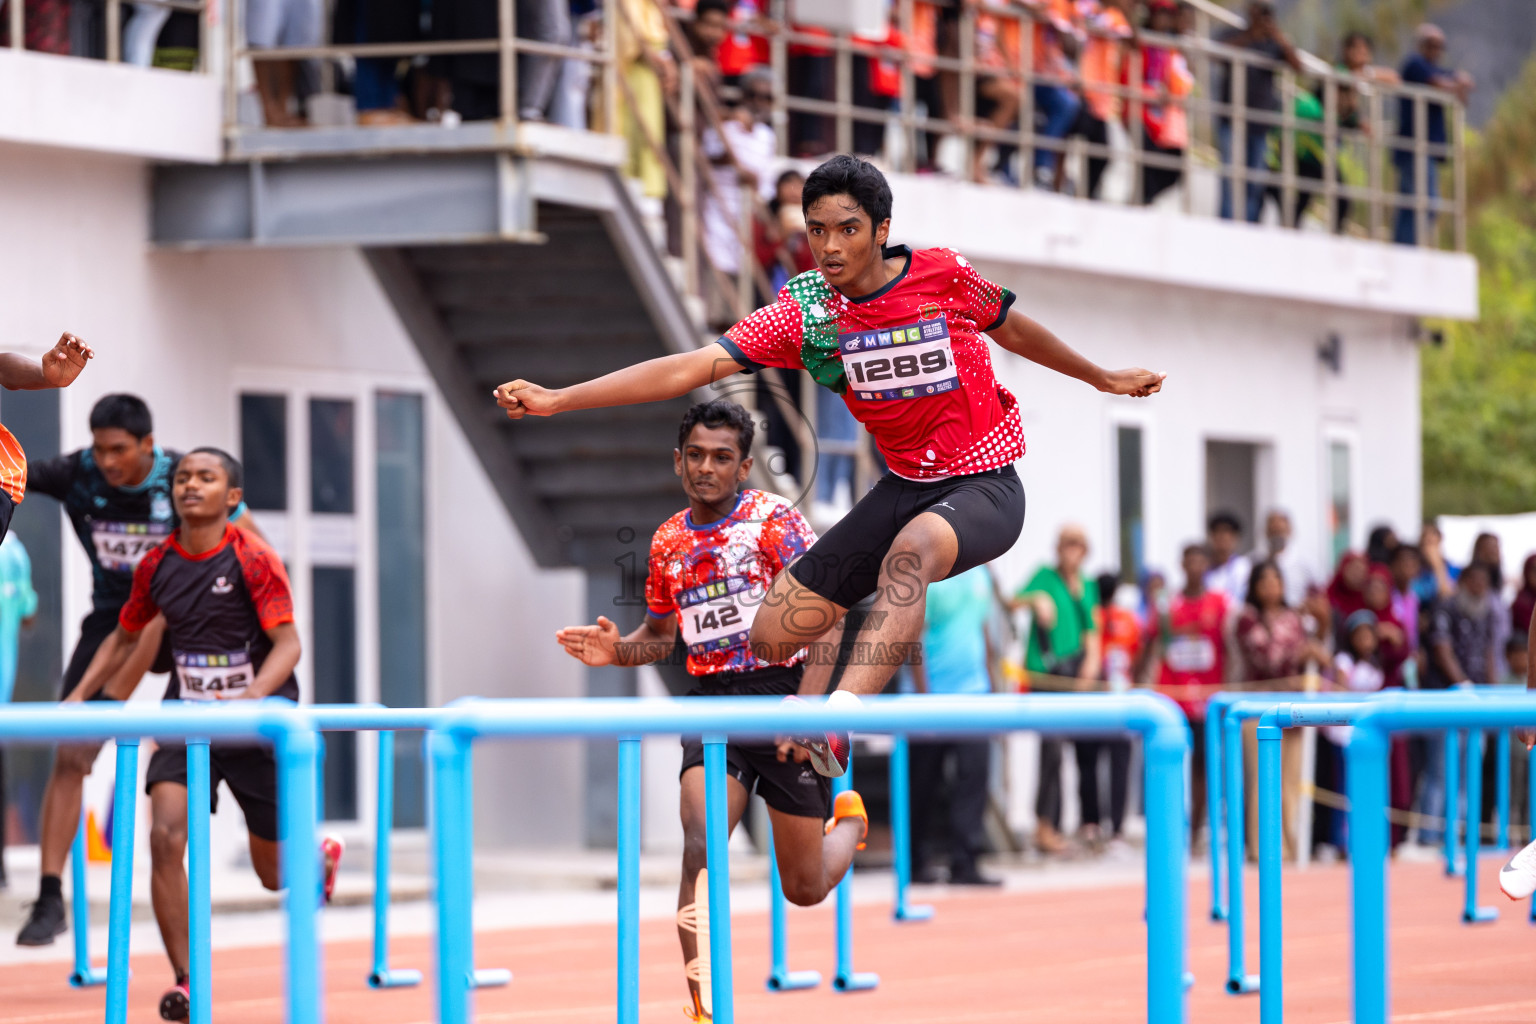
(94, 630)
(986, 511)
(249, 771)
(786, 786)
(7, 510)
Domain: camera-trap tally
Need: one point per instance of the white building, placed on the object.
(423, 572)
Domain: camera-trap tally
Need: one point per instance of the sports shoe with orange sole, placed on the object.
(849, 805)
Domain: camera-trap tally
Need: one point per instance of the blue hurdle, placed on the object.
(901, 831)
(84, 975)
(294, 740)
(780, 977)
(846, 979)
(1161, 725)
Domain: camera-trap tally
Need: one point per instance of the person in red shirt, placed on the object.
(899, 334)
(1191, 628)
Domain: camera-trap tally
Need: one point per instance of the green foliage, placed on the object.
(1479, 389)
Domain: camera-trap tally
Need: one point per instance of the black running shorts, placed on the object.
(786, 786)
(986, 511)
(94, 630)
(249, 771)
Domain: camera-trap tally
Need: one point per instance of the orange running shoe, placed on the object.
(849, 805)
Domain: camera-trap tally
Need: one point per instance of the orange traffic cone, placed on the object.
(96, 849)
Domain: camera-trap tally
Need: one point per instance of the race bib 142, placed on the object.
(717, 616)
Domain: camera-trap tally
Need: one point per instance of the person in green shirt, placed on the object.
(1063, 640)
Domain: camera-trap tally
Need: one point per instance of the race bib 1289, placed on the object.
(717, 616)
(911, 361)
(211, 676)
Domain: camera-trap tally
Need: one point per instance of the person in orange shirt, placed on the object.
(1101, 29)
(58, 368)
(1120, 639)
(1166, 81)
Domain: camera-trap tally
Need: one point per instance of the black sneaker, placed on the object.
(45, 922)
(176, 1004)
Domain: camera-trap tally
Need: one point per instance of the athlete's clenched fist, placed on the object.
(520, 398)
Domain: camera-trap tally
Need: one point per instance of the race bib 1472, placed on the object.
(120, 547)
(911, 361)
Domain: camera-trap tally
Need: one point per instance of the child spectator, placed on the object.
(1357, 670)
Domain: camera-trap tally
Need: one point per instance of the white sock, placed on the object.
(843, 699)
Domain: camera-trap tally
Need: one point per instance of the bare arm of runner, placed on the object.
(654, 380)
(1022, 336)
(280, 663)
(601, 644)
(120, 663)
(58, 368)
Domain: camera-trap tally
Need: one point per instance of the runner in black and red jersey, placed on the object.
(899, 335)
(710, 567)
(117, 494)
(229, 617)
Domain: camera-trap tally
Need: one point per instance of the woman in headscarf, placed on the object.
(1346, 592)
(1392, 655)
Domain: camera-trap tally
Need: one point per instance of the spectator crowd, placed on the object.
(1398, 615)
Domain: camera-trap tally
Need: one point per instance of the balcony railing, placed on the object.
(15, 15)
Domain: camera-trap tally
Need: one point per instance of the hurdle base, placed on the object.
(793, 981)
(88, 978)
(1479, 915)
(913, 912)
(1246, 985)
(491, 977)
(1217, 914)
(858, 981)
(398, 977)
(1455, 870)
(1189, 980)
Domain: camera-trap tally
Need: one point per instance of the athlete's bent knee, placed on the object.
(75, 759)
(167, 842)
(803, 892)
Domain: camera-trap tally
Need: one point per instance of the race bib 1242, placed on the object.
(911, 361)
(212, 676)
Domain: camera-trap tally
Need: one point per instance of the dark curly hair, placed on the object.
(719, 413)
(845, 175)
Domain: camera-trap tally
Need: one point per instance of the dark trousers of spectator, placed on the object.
(1157, 180)
(1096, 133)
(1255, 158)
(1311, 168)
(868, 136)
(46, 27)
(1048, 793)
(930, 94)
(810, 77)
(1088, 752)
(1328, 774)
(953, 773)
(1405, 228)
(1197, 794)
(476, 78)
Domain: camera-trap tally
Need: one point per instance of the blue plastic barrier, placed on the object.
(1159, 722)
(291, 734)
(901, 831)
(780, 977)
(84, 975)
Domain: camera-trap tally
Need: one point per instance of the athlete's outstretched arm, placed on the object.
(1022, 336)
(109, 658)
(280, 663)
(601, 644)
(654, 380)
(58, 368)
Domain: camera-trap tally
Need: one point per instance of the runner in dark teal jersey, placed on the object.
(117, 494)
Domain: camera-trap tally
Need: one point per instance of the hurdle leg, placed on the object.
(451, 836)
(1213, 775)
(1530, 817)
(1452, 769)
(1239, 981)
(84, 975)
(382, 976)
(846, 979)
(1365, 779)
(901, 831)
(1271, 935)
(1167, 829)
(717, 854)
(125, 805)
(1472, 913)
(299, 849)
(629, 880)
(780, 977)
(483, 977)
(1501, 793)
(199, 896)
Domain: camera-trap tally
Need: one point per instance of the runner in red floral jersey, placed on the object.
(929, 397)
(711, 566)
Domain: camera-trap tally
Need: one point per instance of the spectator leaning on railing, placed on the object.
(1423, 68)
(741, 155)
(1167, 81)
(1101, 30)
(1264, 38)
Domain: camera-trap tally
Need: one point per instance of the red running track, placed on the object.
(1068, 955)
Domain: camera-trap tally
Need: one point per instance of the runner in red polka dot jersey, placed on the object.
(899, 335)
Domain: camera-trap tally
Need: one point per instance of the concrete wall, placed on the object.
(188, 331)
